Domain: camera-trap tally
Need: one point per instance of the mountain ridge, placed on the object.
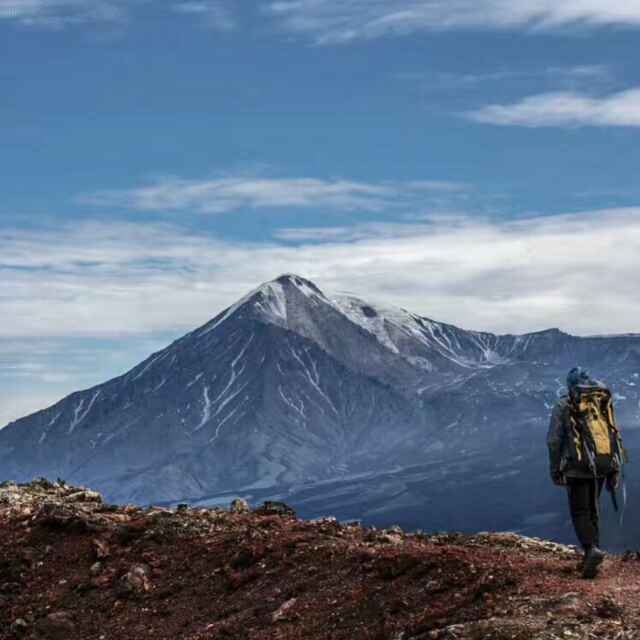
(228, 312)
(290, 387)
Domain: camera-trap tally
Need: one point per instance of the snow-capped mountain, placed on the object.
(292, 391)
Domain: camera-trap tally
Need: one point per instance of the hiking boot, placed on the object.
(592, 561)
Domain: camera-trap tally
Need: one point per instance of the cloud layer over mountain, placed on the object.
(507, 276)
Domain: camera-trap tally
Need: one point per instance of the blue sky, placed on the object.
(475, 162)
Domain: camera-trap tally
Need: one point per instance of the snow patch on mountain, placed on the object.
(206, 409)
(80, 414)
(313, 378)
(272, 303)
(372, 319)
(269, 302)
(195, 379)
(390, 324)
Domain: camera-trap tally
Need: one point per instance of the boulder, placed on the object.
(239, 506)
(101, 549)
(136, 581)
(19, 627)
(283, 610)
(275, 508)
(58, 625)
(84, 496)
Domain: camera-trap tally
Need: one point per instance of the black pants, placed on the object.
(584, 498)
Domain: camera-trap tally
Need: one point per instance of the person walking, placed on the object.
(585, 453)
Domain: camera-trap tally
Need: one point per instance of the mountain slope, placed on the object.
(248, 398)
(290, 390)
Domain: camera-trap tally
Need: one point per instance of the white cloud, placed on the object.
(61, 13)
(328, 21)
(116, 279)
(565, 109)
(231, 193)
(216, 14)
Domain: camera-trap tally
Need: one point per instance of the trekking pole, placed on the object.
(614, 499)
(623, 458)
(623, 486)
(596, 494)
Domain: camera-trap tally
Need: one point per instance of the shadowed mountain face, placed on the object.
(340, 404)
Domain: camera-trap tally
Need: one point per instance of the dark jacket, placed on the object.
(557, 439)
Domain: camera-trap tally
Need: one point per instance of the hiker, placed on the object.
(585, 453)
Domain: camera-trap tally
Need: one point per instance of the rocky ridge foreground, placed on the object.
(72, 566)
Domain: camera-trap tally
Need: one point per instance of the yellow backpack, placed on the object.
(596, 442)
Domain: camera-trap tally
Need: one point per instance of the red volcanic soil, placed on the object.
(73, 568)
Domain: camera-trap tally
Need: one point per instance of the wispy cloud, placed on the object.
(331, 22)
(214, 13)
(57, 14)
(61, 13)
(565, 109)
(328, 21)
(231, 193)
(570, 76)
(367, 231)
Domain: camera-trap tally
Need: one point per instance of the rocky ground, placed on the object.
(72, 567)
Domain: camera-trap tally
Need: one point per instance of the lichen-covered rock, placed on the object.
(283, 610)
(238, 505)
(275, 508)
(135, 581)
(101, 549)
(19, 627)
(84, 496)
